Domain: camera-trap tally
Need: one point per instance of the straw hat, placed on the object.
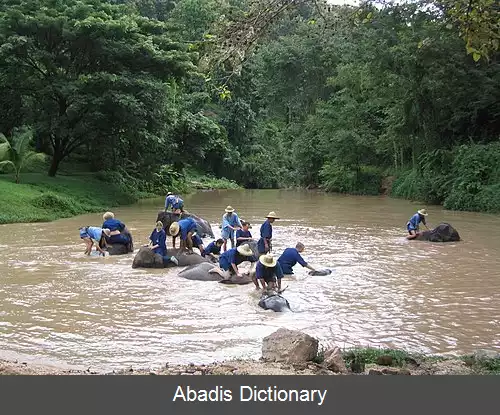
(268, 261)
(423, 212)
(106, 232)
(108, 215)
(169, 193)
(244, 250)
(229, 209)
(174, 229)
(272, 215)
(159, 224)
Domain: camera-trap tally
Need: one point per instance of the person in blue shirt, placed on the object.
(118, 234)
(175, 201)
(198, 243)
(91, 234)
(414, 223)
(230, 259)
(290, 257)
(158, 243)
(184, 229)
(269, 272)
(230, 222)
(213, 249)
(264, 245)
(243, 235)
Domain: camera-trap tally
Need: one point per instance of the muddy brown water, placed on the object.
(60, 307)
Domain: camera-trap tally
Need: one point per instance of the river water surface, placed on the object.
(59, 307)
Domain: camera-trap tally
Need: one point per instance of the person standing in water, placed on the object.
(264, 245)
(91, 234)
(290, 257)
(413, 224)
(230, 223)
(158, 243)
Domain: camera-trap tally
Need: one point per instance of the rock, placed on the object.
(146, 258)
(384, 360)
(486, 355)
(387, 371)
(334, 361)
(374, 372)
(289, 346)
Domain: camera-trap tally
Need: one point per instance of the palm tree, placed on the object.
(17, 153)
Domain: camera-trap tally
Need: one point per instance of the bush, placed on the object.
(55, 203)
(342, 179)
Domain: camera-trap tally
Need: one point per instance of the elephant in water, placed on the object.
(210, 272)
(444, 232)
(146, 258)
(122, 249)
(271, 300)
(203, 228)
(320, 272)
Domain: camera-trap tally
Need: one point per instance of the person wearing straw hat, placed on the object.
(230, 222)
(243, 235)
(176, 202)
(158, 243)
(184, 229)
(230, 259)
(413, 224)
(269, 271)
(94, 234)
(264, 245)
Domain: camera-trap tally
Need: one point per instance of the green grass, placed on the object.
(39, 198)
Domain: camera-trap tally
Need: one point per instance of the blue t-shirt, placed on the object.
(414, 222)
(289, 258)
(186, 225)
(262, 271)
(212, 248)
(266, 232)
(231, 256)
(92, 232)
(240, 233)
(113, 225)
(160, 239)
(175, 201)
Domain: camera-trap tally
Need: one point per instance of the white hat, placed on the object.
(229, 209)
(423, 212)
(268, 261)
(174, 229)
(272, 215)
(245, 250)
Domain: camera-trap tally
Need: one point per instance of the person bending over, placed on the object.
(290, 257)
(184, 229)
(269, 272)
(230, 259)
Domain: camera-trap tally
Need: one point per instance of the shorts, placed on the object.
(227, 234)
(261, 247)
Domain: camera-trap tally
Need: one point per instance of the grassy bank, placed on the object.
(39, 198)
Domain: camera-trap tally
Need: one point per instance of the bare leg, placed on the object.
(224, 247)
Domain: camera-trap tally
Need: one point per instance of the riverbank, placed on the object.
(379, 364)
(39, 198)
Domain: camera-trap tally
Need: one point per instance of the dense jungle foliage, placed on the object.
(336, 97)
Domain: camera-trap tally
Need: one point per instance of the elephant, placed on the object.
(121, 249)
(146, 258)
(444, 232)
(203, 228)
(210, 272)
(271, 300)
(320, 272)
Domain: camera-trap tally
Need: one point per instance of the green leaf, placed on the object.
(476, 56)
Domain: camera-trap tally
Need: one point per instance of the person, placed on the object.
(230, 222)
(198, 243)
(184, 229)
(414, 223)
(243, 235)
(269, 272)
(213, 249)
(230, 259)
(118, 234)
(175, 201)
(290, 257)
(264, 245)
(158, 243)
(91, 234)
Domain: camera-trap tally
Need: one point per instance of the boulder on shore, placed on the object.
(289, 346)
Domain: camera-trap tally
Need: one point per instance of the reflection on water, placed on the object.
(60, 306)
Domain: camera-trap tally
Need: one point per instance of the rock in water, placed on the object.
(444, 232)
(321, 272)
(289, 346)
(146, 258)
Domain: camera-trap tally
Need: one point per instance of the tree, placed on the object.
(87, 67)
(17, 154)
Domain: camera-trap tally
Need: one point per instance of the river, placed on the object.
(60, 307)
